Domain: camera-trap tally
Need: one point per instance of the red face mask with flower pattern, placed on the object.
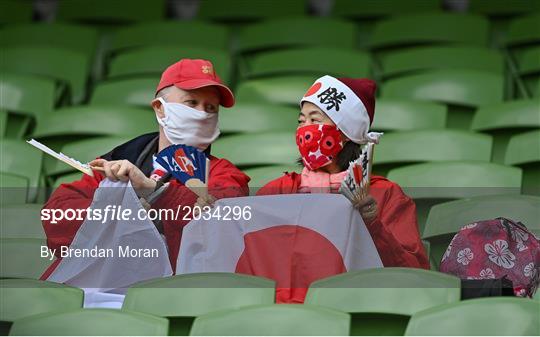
(318, 144)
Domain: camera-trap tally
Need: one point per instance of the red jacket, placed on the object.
(225, 180)
(394, 231)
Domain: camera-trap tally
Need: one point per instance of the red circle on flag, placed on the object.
(293, 256)
(314, 88)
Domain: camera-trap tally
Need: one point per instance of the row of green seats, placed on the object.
(441, 149)
(386, 301)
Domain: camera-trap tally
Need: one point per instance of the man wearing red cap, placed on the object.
(334, 121)
(186, 106)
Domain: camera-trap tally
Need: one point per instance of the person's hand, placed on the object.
(367, 208)
(203, 202)
(124, 170)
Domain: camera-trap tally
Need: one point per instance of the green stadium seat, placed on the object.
(240, 11)
(251, 117)
(16, 11)
(84, 151)
(25, 98)
(528, 62)
(21, 221)
(138, 91)
(301, 31)
(262, 149)
(524, 151)
(467, 89)
(524, 30)
(13, 189)
(260, 176)
(507, 316)
(374, 9)
(21, 258)
(97, 322)
(502, 120)
(273, 320)
(432, 183)
(21, 159)
(67, 67)
(401, 114)
(314, 61)
(21, 298)
(414, 60)
(154, 60)
(281, 90)
(169, 33)
(77, 38)
(381, 300)
(446, 219)
(502, 7)
(406, 147)
(67, 178)
(107, 120)
(430, 28)
(183, 297)
(107, 12)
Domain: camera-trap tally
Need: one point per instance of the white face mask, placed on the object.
(185, 125)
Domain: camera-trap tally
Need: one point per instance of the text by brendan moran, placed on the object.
(121, 251)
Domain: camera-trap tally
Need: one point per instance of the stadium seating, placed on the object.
(246, 150)
(20, 258)
(524, 151)
(381, 300)
(523, 30)
(66, 179)
(25, 98)
(429, 28)
(144, 61)
(503, 7)
(23, 160)
(502, 120)
(106, 120)
(374, 9)
(13, 189)
(273, 320)
(287, 90)
(169, 33)
(21, 298)
(103, 11)
(15, 11)
(104, 322)
(239, 11)
(406, 147)
(432, 183)
(308, 61)
(252, 117)
(529, 67)
(464, 88)
(183, 297)
(414, 60)
(138, 91)
(77, 38)
(301, 31)
(84, 151)
(68, 68)
(507, 316)
(400, 114)
(445, 219)
(21, 221)
(260, 176)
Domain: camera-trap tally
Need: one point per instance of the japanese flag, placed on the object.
(294, 239)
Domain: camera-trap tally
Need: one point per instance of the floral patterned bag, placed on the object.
(492, 249)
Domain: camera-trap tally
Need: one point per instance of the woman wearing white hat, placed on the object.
(335, 117)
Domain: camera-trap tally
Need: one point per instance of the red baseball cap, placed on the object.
(191, 74)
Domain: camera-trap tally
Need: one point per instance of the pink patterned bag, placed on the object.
(492, 249)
